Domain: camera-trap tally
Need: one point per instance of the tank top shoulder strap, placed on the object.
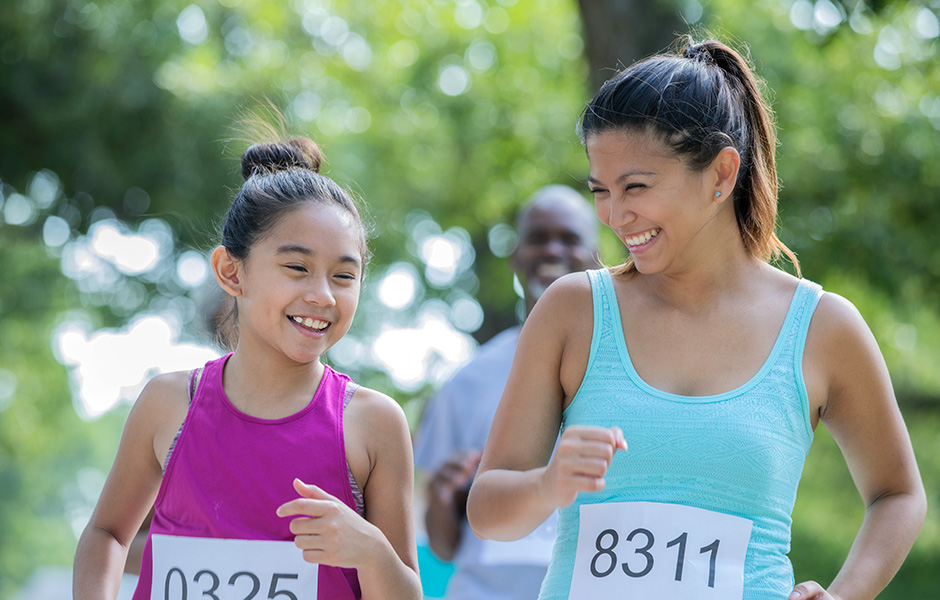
(789, 357)
(351, 387)
(807, 298)
(195, 377)
(608, 329)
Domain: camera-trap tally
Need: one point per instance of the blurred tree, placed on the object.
(619, 32)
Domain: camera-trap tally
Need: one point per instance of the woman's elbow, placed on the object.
(476, 508)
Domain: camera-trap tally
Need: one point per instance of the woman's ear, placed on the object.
(725, 168)
(226, 271)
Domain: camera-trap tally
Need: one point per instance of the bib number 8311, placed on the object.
(186, 568)
(645, 551)
(663, 551)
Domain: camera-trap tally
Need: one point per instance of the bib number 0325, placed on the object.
(662, 551)
(245, 583)
(187, 568)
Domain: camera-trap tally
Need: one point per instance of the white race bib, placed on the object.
(194, 568)
(662, 551)
(534, 549)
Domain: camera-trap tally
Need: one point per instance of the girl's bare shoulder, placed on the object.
(376, 414)
(166, 390)
(163, 403)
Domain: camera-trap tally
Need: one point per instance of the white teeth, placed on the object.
(551, 270)
(642, 238)
(311, 323)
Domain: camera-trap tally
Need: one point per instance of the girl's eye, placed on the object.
(346, 276)
(297, 268)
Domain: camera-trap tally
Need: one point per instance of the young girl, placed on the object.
(271, 475)
(688, 382)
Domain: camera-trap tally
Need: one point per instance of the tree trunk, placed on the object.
(620, 32)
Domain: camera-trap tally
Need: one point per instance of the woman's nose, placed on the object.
(619, 215)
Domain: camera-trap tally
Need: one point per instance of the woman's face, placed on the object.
(659, 208)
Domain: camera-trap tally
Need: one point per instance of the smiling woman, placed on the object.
(688, 382)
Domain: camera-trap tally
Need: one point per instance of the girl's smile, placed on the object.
(308, 323)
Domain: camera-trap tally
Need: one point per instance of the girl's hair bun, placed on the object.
(270, 157)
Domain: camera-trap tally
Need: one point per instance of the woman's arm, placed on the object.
(520, 481)
(129, 490)
(859, 408)
(382, 546)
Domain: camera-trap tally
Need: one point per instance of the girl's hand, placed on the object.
(810, 590)
(328, 531)
(580, 462)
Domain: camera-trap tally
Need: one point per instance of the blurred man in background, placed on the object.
(557, 234)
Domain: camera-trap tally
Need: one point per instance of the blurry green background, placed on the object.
(118, 154)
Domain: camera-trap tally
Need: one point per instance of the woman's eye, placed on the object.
(297, 268)
(634, 186)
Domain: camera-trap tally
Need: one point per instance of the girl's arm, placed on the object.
(129, 490)
(520, 482)
(862, 414)
(382, 546)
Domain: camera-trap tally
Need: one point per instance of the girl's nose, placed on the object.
(319, 293)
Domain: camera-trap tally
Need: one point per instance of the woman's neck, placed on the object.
(709, 280)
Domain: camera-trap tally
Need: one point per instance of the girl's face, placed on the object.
(300, 283)
(659, 208)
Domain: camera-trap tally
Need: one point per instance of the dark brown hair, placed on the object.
(698, 99)
(279, 175)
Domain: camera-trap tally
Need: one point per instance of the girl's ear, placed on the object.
(725, 167)
(226, 271)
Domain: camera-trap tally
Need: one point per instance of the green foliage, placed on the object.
(828, 512)
(434, 112)
(47, 454)
(444, 116)
(858, 116)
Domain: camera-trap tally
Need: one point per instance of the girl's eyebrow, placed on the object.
(294, 248)
(298, 249)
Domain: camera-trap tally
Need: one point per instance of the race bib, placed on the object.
(662, 551)
(189, 567)
(534, 549)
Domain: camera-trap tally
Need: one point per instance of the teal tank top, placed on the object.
(739, 453)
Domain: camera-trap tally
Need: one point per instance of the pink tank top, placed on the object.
(229, 471)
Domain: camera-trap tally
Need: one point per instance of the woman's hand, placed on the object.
(328, 531)
(581, 460)
(810, 590)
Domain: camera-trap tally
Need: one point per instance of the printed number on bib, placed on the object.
(662, 551)
(188, 567)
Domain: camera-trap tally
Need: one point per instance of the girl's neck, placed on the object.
(260, 385)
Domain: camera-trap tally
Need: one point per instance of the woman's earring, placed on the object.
(717, 194)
